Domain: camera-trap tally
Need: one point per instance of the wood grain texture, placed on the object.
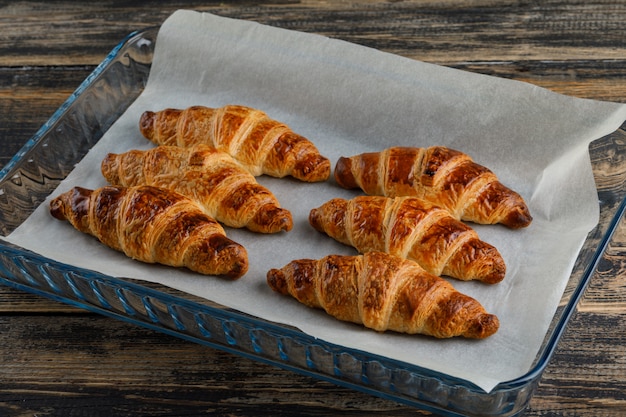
(58, 361)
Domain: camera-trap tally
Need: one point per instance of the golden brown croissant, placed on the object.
(212, 178)
(411, 228)
(262, 145)
(384, 292)
(443, 176)
(153, 225)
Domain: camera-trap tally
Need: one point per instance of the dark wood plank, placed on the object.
(443, 32)
(124, 367)
(78, 365)
(28, 98)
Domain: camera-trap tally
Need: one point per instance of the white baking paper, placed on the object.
(349, 99)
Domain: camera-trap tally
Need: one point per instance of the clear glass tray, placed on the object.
(82, 120)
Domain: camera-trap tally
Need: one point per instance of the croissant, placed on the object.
(383, 292)
(153, 225)
(262, 145)
(411, 228)
(443, 176)
(212, 178)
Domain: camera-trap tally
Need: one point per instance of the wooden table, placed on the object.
(56, 360)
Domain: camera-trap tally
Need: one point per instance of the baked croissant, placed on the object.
(262, 145)
(212, 178)
(153, 225)
(411, 228)
(443, 176)
(383, 292)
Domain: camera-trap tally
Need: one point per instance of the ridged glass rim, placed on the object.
(60, 112)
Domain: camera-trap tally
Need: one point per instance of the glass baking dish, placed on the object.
(80, 122)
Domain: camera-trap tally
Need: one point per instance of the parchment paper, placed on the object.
(349, 99)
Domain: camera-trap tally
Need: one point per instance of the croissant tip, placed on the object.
(483, 326)
(277, 281)
(237, 270)
(108, 166)
(239, 264)
(56, 208)
(493, 278)
(76, 199)
(313, 169)
(271, 219)
(146, 123)
(216, 255)
(285, 224)
(519, 218)
(315, 219)
(322, 171)
(496, 273)
(343, 173)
